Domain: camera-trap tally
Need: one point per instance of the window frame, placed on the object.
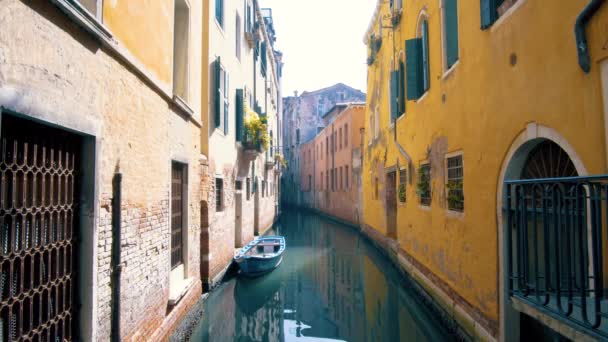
(402, 174)
(219, 192)
(423, 34)
(186, 85)
(220, 20)
(448, 157)
(238, 37)
(421, 200)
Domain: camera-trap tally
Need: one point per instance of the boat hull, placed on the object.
(253, 263)
(254, 267)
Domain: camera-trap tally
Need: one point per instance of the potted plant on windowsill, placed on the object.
(256, 138)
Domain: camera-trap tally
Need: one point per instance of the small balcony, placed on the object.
(555, 231)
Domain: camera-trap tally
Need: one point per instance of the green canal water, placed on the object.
(332, 285)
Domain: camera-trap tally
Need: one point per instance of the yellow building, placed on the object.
(496, 91)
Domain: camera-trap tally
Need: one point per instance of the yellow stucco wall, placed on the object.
(146, 29)
(480, 108)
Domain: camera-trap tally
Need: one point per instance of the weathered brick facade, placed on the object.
(53, 71)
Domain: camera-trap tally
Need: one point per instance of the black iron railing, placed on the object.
(555, 233)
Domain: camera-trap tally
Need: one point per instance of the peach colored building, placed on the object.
(330, 167)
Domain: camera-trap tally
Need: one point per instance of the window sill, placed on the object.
(219, 26)
(455, 214)
(425, 94)
(424, 207)
(182, 105)
(178, 289)
(507, 15)
(450, 71)
(83, 18)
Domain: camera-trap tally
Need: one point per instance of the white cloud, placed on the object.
(321, 41)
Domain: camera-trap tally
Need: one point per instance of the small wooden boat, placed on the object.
(261, 255)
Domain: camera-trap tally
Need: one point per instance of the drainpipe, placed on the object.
(115, 266)
(584, 59)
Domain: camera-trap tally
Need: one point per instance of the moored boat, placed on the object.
(261, 255)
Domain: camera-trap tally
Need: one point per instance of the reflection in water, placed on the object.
(331, 286)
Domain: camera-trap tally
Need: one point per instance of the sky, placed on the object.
(322, 42)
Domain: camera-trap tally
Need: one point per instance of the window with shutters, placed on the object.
(181, 32)
(263, 58)
(418, 66)
(492, 10)
(455, 177)
(221, 102)
(449, 14)
(239, 108)
(219, 12)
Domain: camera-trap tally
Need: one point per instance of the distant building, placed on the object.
(302, 121)
(330, 164)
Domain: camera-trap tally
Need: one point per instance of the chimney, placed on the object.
(295, 93)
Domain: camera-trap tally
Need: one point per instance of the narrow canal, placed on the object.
(331, 286)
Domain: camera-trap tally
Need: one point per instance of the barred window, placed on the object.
(455, 186)
(219, 194)
(402, 185)
(248, 185)
(424, 184)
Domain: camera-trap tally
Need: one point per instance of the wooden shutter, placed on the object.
(263, 52)
(226, 92)
(413, 56)
(426, 79)
(451, 31)
(240, 113)
(393, 100)
(401, 81)
(489, 13)
(218, 95)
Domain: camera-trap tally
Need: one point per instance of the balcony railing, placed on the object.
(556, 230)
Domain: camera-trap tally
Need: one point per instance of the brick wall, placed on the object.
(50, 69)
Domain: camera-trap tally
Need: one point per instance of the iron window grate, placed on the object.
(38, 166)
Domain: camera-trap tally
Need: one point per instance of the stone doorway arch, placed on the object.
(534, 144)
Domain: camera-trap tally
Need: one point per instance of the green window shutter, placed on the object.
(393, 100)
(413, 55)
(451, 31)
(402, 98)
(217, 98)
(426, 79)
(240, 113)
(263, 52)
(226, 92)
(489, 13)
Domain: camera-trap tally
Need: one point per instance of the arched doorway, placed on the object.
(537, 153)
